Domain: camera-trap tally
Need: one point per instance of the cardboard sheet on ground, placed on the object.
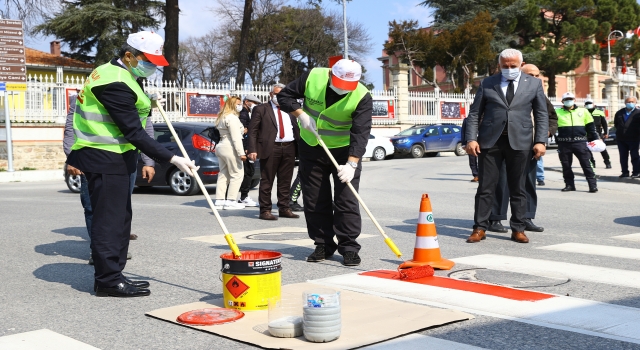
(366, 319)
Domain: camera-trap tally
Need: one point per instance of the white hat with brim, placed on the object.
(252, 98)
(150, 44)
(345, 74)
(568, 96)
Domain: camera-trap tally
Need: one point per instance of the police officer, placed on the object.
(600, 121)
(341, 108)
(108, 124)
(575, 128)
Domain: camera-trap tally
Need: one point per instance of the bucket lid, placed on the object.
(210, 317)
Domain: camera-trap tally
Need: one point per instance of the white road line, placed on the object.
(595, 249)
(564, 313)
(554, 269)
(419, 341)
(42, 339)
(632, 237)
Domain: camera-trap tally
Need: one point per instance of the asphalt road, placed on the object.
(47, 283)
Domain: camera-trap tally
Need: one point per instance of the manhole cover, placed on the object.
(278, 236)
(508, 279)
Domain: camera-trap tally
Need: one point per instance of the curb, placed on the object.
(31, 175)
(601, 177)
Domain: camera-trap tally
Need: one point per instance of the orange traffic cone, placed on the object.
(427, 249)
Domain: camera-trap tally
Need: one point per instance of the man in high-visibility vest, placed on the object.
(600, 121)
(108, 124)
(340, 109)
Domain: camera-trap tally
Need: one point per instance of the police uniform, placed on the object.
(600, 122)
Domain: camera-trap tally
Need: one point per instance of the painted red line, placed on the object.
(467, 286)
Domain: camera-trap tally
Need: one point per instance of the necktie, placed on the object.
(280, 126)
(510, 92)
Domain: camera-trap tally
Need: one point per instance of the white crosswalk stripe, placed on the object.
(419, 341)
(632, 237)
(596, 249)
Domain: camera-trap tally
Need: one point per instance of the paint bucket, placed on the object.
(248, 282)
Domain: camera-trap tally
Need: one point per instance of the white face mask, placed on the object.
(510, 73)
(338, 90)
(251, 108)
(588, 106)
(238, 108)
(274, 99)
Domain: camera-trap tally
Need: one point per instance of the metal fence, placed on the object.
(438, 107)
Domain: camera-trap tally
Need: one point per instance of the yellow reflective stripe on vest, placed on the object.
(94, 117)
(106, 140)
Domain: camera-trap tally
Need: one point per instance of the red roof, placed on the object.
(46, 59)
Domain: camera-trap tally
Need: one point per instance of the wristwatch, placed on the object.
(353, 164)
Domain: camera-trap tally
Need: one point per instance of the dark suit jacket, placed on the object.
(629, 130)
(263, 130)
(490, 113)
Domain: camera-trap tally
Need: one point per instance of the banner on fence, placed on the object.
(204, 105)
(383, 108)
(452, 110)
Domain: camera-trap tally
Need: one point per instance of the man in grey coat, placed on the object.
(500, 129)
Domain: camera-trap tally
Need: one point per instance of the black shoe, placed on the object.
(318, 254)
(137, 284)
(624, 175)
(496, 226)
(351, 259)
(593, 190)
(607, 165)
(122, 290)
(530, 226)
(541, 183)
(294, 206)
(569, 188)
(635, 176)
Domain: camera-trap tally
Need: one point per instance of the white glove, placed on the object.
(307, 122)
(155, 100)
(346, 173)
(184, 165)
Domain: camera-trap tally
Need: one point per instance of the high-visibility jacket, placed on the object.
(92, 125)
(334, 123)
(573, 124)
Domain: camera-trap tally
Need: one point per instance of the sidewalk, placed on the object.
(31, 175)
(552, 163)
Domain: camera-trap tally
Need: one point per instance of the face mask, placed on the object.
(238, 108)
(588, 106)
(274, 99)
(338, 90)
(630, 105)
(143, 69)
(568, 103)
(251, 108)
(510, 73)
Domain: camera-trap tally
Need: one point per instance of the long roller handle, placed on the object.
(387, 239)
(227, 236)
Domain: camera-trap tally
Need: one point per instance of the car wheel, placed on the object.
(431, 154)
(73, 182)
(379, 154)
(460, 151)
(182, 184)
(417, 151)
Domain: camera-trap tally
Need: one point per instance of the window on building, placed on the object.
(604, 93)
(409, 78)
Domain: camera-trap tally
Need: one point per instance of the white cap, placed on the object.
(346, 74)
(588, 100)
(568, 95)
(151, 44)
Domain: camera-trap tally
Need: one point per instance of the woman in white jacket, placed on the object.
(230, 154)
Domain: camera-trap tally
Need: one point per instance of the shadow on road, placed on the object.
(77, 276)
(71, 249)
(629, 220)
(73, 232)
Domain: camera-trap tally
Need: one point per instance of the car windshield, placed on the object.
(412, 131)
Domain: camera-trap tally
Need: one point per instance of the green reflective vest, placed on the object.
(572, 124)
(334, 123)
(597, 113)
(92, 125)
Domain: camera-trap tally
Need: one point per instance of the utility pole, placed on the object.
(344, 24)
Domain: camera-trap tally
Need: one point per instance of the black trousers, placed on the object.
(280, 163)
(626, 149)
(473, 165)
(566, 151)
(501, 204)
(489, 163)
(323, 222)
(111, 225)
(296, 188)
(249, 171)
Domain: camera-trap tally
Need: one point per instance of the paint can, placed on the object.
(250, 281)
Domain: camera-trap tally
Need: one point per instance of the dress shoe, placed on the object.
(287, 213)
(593, 190)
(295, 206)
(607, 165)
(122, 290)
(475, 179)
(519, 237)
(476, 236)
(496, 226)
(266, 215)
(351, 259)
(137, 284)
(133, 237)
(541, 183)
(319, 254)
(568, 188)
(530, 226)
(624, 175)
(635, 176)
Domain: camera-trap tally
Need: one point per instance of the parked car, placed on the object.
(429, 139)
(378, 147)
(197, 142)
(611, 136)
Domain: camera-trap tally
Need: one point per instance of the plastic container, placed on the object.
(285, 316)
(321, 314)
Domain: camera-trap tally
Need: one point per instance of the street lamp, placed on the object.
(619, 34)
(344, 25)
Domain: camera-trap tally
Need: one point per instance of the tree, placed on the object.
(622, 15)
(29, 11)
(171, 40)
(242, 44)
(94, 30)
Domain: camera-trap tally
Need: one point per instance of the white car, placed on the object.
(378, 147)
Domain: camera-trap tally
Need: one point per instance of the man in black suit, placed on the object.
(249, 102)
(273, 136)
(627, 123)
(500, 129)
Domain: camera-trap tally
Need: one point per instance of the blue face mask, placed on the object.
(568, 103)
(630, 105)
(143, 69)
(510, 73)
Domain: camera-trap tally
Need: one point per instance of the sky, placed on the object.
(196, 20)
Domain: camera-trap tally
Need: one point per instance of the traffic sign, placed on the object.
(13, 78)
(3, 86)
(15, 69)
(10, 23)
(12, 55)
(11, 51)
(11, 42)
(16, 86)
(11, 33)
(11, 60)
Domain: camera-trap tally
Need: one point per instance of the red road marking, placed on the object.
(468, 286)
